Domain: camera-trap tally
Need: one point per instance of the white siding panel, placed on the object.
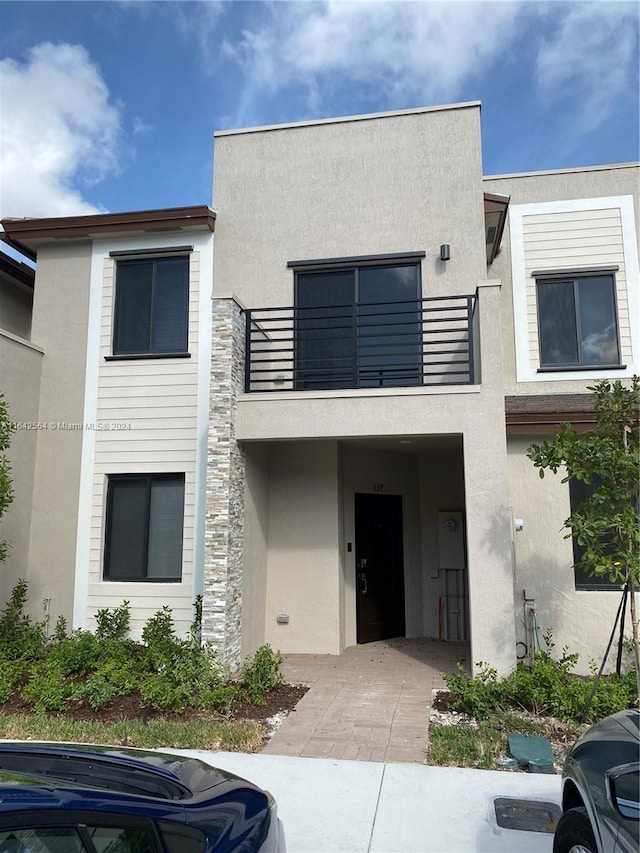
(559, 219)
(566, 240)
(157, 399)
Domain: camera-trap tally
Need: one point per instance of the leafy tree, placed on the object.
(6, 486)
(607, 524)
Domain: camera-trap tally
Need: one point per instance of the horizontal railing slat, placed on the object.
(386, 344)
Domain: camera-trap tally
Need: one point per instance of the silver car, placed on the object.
(601, 789)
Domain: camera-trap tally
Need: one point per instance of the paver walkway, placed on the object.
(371, 703)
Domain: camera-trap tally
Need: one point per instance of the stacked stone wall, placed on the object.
(222, 587)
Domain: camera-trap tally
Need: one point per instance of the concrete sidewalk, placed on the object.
(331, 806)
(370, 703)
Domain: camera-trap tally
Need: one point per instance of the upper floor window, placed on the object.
(152, 306)
(577, 321)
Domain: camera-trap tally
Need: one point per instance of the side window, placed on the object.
(578, 493)
(181, 839)
(577, 322)
(45, 839)
(151, 306)
(120, 839)
(144, 525)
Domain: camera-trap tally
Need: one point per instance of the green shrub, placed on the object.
(546, 686)
(479, 697)
(260, 674)
(181, 673)
(47, 689)
(60, 631)
(187, 676)
(160, 640)
(170, 673)
(113, 623)
(97, 690)
(76, 655)
(11, 672)
(20, 638)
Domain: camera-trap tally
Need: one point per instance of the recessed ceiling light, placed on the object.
(405, 441)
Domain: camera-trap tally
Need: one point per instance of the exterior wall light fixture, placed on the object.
(445, 252)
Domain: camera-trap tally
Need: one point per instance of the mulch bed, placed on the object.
(282, 699)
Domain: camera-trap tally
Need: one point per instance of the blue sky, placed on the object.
(113, 105)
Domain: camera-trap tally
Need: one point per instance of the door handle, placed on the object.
(362, 563)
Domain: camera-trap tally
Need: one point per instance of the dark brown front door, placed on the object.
(379, 567)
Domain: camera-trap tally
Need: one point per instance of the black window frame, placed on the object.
(120, 351)
(574, 277)
(149, 479)
(354, 266)
(579, 492)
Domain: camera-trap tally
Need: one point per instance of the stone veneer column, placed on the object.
(222, 587)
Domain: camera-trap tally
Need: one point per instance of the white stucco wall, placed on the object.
(59, 326)
(581, 620)
(255, 547)
(20, 370)
(354, 186)
(16, 301)
(303, 563)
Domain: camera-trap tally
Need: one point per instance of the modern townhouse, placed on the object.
(322, 424)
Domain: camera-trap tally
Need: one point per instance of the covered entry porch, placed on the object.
(353, 541)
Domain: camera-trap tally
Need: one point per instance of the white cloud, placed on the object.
(402, 51)
(404, 54)
(60, 131)
(591, 58)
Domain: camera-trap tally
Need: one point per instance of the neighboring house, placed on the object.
(333, 450)
(20, 367)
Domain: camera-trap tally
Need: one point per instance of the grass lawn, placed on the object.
(479, 744)
(226, 735)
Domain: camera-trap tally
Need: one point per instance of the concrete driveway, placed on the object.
(371, 703)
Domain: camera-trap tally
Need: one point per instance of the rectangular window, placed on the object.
(358, 327)
(151, 306)
(578, 493)
(577, 324)
(144, 524)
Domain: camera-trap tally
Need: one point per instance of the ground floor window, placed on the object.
(580, 492)
(144, 525)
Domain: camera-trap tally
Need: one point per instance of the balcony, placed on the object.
(426, 342)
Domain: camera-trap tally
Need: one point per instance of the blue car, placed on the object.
(69, 798)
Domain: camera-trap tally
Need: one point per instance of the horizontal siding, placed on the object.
(576, 229)
(584, 238)
(570, 217)
(157, 400)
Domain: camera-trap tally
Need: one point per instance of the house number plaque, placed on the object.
(378, 487)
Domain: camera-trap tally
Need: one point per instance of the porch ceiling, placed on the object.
(408, 443)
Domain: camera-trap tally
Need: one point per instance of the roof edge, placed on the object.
(574, 169)
(23, 231)
(344, 119)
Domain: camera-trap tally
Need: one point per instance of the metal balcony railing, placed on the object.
(374, 345)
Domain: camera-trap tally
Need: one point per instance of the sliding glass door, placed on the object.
(358, 328)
